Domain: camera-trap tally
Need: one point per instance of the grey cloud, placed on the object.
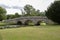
(5, 6)
(14, 7)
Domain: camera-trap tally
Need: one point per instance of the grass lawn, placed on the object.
(31, 33)
(2, 24)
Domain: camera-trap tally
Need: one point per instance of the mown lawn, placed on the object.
(31, 33)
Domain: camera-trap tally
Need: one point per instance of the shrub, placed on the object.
(42, 23)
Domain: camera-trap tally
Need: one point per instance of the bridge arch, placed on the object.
(38, 22)
(28, 22)
(41, 21)
(19, 23)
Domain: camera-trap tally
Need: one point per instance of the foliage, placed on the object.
(29, 22)
(28, 9)
(17, 15)
(11, 16)
(31, 11)
(42, 23)
(2, 13)
(42, 14)
(53, 12)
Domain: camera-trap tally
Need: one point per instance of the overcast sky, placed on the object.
(37, 4)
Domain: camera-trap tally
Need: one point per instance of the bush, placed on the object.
(42, 23)
(31, 24)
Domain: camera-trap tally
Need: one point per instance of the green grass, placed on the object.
(2, 24)
(0, 37)
(32, 33)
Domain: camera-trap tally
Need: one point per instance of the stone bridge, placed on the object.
(24, 19)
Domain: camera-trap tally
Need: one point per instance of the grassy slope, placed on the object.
(0, 37)
(31, 33)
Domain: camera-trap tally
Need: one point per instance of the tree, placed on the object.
(2, 13)
(42, 14)
(33, 13)
(28, 9)
(53, 12)
(17, 15)
(10, 16)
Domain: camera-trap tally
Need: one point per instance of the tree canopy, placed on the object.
(53, 12)
(31, 11)
(28, 9)
(2, 13)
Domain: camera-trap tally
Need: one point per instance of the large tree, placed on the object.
(28, 9)
(10, 16)
(2, 13)
(31, 11)
(53, 12)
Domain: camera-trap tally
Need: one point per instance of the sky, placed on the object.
(13, 6)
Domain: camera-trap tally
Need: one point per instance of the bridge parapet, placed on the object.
(35, 19)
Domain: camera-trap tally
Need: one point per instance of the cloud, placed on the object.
(8, 7)
(16, 7)
(5, 6)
